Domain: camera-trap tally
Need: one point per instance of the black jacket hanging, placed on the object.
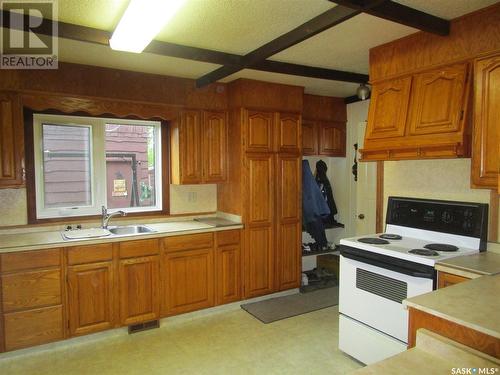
(326, 190)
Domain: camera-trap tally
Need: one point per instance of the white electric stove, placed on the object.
(379, 271)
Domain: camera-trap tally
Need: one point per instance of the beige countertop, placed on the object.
(44, 240)
(433, 354)
(474, 304)
(472, 266)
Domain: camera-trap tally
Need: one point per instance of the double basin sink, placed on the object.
(111, 231)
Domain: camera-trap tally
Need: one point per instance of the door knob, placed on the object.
(361, 216)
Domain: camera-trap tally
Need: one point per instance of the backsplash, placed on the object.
(447, 179)
(183, 199)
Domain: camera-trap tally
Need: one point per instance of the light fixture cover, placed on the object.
(363, 91)
(141, 22)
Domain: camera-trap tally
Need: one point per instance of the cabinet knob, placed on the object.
(361, 216)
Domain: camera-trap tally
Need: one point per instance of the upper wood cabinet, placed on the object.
(388, 109)
(332, 138)
(437, 100)
(309, 137)
(420, 116)
(259, 131)
(486, 135)
(11, 141)
(289, 133)
(198, 147)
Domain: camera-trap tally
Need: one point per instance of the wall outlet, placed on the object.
(192, 197)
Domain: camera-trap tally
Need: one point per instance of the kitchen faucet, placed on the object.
(106, 217)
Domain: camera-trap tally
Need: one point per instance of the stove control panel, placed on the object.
(462, 218)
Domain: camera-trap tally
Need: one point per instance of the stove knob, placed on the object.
(447, 217)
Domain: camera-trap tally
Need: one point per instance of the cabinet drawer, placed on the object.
(90, 254)
(33, 327)
(30, 259)
(447, 279)
(193, 241)
(131, 249)
(228, 237)
(31, 289)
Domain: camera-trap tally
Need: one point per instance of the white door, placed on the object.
(366, 191)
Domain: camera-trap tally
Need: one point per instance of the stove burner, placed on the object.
(426, 252)
(390, 236)
(441, 247)
(373, 241)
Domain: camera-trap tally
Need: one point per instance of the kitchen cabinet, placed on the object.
(388, 109)
(332, 138)
(289, 223)
(11, 141)
(199, 147)
(189, 273)
(259, 131)
(486, 133)
(228, 267)
(446, 279)
(139, 283)
(309, 137)
(420, 116)
(90, 298)
(289, 133)
(31, 311)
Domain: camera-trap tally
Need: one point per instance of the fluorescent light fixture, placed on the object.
(142, 21)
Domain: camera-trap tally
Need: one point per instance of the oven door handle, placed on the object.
(427, 274)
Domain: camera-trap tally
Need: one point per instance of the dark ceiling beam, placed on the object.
(392, 11)
(307, 30)
(101, 37)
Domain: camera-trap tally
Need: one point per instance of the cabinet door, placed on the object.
(259, 131)
(259, 260)
(447, 279)
(259, 185)
(139, 296)
(90, 298)
(214, 146)
(485, 150)
(11, 141)
(332, 138)
(438, 99)
(289, 133)
(190, 148)
(189, 280)
(289, 232)
(309, 137)
(228, 275)
(388, 109)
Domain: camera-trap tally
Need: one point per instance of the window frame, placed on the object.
(97, 125)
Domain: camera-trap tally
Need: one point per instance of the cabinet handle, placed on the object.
(361, 216)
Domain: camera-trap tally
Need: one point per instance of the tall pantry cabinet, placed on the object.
(264, 184)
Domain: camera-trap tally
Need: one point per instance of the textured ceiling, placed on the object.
(239, 26)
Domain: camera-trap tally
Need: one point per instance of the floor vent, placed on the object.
(143, 326)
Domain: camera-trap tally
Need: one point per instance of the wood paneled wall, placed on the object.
(324, 108)
(117, 85)
(470, 36)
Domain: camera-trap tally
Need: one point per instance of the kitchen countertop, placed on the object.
(433, 354)
(474, 304)
(472, 266)
(44, 240)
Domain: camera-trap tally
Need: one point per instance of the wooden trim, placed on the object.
(324, 21)
(456, 332)
(101, 37)
(379, 221)
(2, 328)
(402, 14)
(30, 172)
(493, 223)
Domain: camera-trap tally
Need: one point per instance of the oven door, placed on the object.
(372, 288)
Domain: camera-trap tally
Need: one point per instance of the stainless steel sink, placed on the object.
(132, 229)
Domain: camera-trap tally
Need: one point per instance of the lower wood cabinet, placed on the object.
(90, 298)
(139, 289)
(189, 280)
(228, 267)
(259, 261)
(446, 279)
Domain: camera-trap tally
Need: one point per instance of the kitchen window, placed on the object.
(83, 163)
